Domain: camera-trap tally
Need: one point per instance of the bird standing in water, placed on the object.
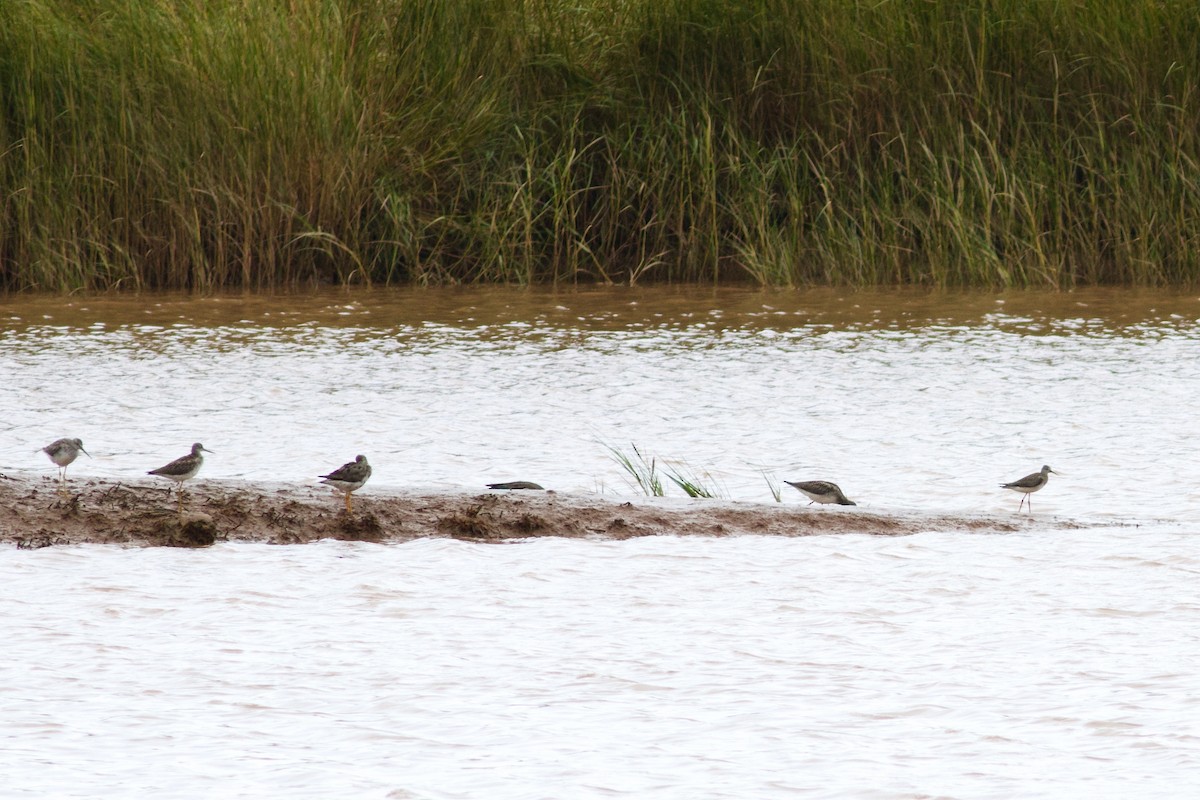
(1030, 484)
(62, 452)
(349, 478)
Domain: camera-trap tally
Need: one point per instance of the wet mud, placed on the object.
(35, 513)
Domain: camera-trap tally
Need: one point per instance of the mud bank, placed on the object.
(34, 513)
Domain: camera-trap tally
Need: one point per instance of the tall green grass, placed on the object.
(642, 471)
(257, 143)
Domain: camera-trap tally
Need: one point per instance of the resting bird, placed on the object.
(349, 477)
(822, 492)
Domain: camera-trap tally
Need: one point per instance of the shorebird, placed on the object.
(822, 492)
(349, 477)
(183, 468)
(1030, 484)
(62, 452)
(516, 485)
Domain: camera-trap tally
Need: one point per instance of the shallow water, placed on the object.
(940, 664)
(943, 664)
(906, 399)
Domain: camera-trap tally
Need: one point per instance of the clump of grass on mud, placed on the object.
(643, 471)
(686, 479)
(197, 145)
(773, 485)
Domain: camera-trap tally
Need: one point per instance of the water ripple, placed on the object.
(932, 415)
(824, 667)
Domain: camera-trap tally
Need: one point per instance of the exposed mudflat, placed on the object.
(35, 513)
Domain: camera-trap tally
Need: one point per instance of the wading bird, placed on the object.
(182, 469)
(62, 452)
(349, 477)
(1030, 484)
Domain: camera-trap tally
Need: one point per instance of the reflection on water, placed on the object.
(904, 398)
(489, 310)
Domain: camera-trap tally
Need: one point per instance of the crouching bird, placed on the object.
(822, 492)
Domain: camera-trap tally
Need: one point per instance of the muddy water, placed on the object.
(1041, 663)
(906, 399)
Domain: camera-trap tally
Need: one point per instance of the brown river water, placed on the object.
(908, 400)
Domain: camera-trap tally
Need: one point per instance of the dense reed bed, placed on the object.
(257, 143)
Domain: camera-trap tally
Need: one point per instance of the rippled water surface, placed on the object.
(944, 664)
(936, 665)
(905, 400)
